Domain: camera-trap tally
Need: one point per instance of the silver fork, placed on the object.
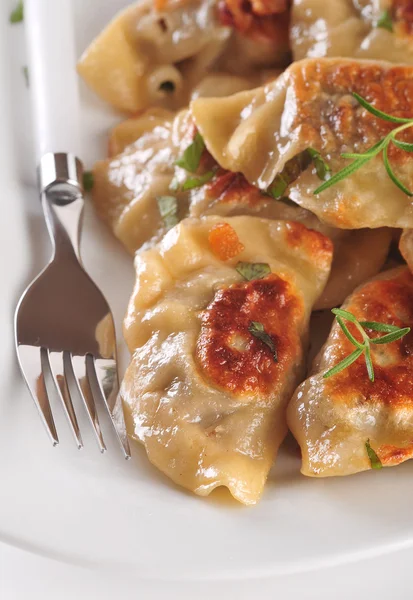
(64, 330)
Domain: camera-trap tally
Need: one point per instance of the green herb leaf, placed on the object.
(375, 326)
(403, 145)
(258, 331)
(391, 337)
(369, 362)
(393, 334)
(385, 21)
(392, 176)
(369, 153)
(195, 182)
(349, 170)
(17, 15)
(192, 156)
(88, 181)
(293, 169)
(374, 459)
(346, 362)
(345, 314)
(360, 160)
(251, 271)
(25, 71)
(379, 113)
(168, 208)
(348, 334)
(278, 187)
(323, 170)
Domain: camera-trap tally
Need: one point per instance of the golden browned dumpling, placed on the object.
(358, 254)
(378, 29)
(336, 419)
(158, 53)
(127, 185)
(134, 62)
(406, 247)
(218, 326)
(258, 132)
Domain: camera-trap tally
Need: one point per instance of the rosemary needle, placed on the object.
(392, 334)
(359, 160)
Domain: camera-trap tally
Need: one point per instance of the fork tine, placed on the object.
(76, 366)
(103, 376)
(58, 373)
(31, 365)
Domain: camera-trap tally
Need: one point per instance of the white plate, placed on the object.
(99, 511)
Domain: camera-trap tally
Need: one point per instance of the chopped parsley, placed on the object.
(192, 155)
(194, 182)
(88, 181)
(385, 21)
(374, 459)
(258, 331)
(251, 271)
(293, 169)
(17, 15)
(323, 170)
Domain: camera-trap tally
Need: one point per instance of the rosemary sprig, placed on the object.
(392, 334)
(359, 160)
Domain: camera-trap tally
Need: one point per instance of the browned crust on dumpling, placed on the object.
(313, 242)
(391, 455)
(233, 188)
(402, 16)
(346, 123)
(230, 356)
(387, 301)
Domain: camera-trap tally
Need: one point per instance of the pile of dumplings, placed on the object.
(237, 112)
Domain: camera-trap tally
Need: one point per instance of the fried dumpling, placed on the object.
(156, 53)
(367, 29)
(134, 62)
(127, 184)
(358, 254)
(260, 34)
(334, 419)
(406, 247)
(258, 133)
(216, 355)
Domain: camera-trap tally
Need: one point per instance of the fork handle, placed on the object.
(61, 188)
(53, 79)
